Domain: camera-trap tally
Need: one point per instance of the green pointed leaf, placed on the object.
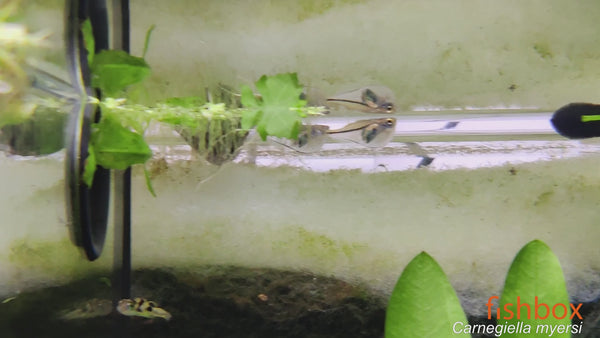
(88, 40)
(253, 114)
(149, 182)
(90, 167)
(248, 99)
(262, 131)
(423, 303)
(113, 70)
(117, 147)
(535, 272)
(147, 40)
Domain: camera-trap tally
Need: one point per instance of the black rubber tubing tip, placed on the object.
(577, 120)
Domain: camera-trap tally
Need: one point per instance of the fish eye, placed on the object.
(389, 122)
(389, 107)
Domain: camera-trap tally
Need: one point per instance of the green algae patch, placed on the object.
(316, 245)
(311, 8)
(543, 198)
(543, 50)
(58, 259)
(48, 4)
(224, 16)
(313, 245)
(217, 243)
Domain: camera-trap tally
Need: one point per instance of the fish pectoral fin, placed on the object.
(302, 140)
(370, 132)
(369, 98)
(425, 161)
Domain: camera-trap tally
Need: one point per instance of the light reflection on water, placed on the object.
(455, 140)
(446, 156)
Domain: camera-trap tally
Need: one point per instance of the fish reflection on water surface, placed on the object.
(373, 133)
(310, 138)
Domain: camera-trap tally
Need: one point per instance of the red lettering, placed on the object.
(537, 306)
(506, 308)
(489, 307)
(519, 305)
(554, 311)
(576, 311)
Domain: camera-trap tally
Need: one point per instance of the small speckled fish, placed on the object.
(365, 100)
(372, 133)
(140, 307)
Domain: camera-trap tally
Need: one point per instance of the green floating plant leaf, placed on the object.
(248, 99)
(117, 147)
(252, 115)
(147, 40)
(149, 182)
(88, 40)
(113, 70)
(535, 277)
(423, 303)
(276, 112)
(90, 167)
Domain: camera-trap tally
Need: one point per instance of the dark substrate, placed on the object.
(220, 302)
(217, 302)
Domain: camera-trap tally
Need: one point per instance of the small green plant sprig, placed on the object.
(116, 140)
(424, 304)
(114, 70)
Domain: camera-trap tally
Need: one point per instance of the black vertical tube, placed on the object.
(122, 186)
(121, 284)
(122, 237)
(126, 264)
(125, 25)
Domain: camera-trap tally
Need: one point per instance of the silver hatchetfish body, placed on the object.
(375, 99)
